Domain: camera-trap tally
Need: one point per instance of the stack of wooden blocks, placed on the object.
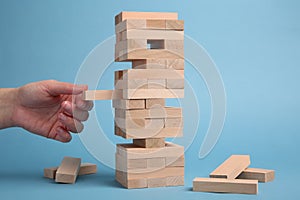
(154, 43)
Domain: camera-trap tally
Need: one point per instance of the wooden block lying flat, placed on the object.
(102, 94)
(175, 180)
(131, 24)
(150, 142)
(145, 74)
(131, 151)
(144, 15)
(154, 112)
(130, 184)
(174, 122)
(149, 64)
(129, 104)
(68, 170)
(175, 83)
(177, 64)
(262, 175)
(152, 35)
(175, 161)
(149, 133)
(232, 167)
(85, 168)
(175, 25)
(50, 172)
(142, 54)
(125, 165)
(129, 123)
(156, 182)
(141, 84)
(155, 103)
(173, 44)
(131, 44)
(238, 186)
(152, 93)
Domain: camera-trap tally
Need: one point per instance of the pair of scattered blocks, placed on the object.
(234, 176)
(69, 169)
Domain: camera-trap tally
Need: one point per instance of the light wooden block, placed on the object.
(238, 186)
(130, 123)
(150, 142)
(145, 74)
(50, 172)
(131, 151)
(142, 54)
(175, 180)
(174, 122)
(175, 83)
(131, 24)
(155, 103)
(102, 94)
(156, 84)
(152, 35)
(262, 175)
(131, 45)
(155, 24)
(125, 165)
(175, 25)
(68, 170)
(174, 44)
(141, 84)
(175, 161)
(145, 15)
(177, 64)
(232, 167)
(156, 182)
(149, 133)
(85, 169)
(152, 112)
(149, 64)
(132, 183)
(129, 104)
(157, 163)
(152, 93)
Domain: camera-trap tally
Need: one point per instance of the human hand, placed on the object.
(51, 109)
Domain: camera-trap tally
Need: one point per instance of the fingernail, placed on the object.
(67, 105)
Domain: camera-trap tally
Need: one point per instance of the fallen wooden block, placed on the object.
(68, 170)
(262, 175)
(85, 169)
(232, 167)
(145, 15)
(150, 142)
(238, 186)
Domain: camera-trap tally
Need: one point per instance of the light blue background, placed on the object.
(255, 44)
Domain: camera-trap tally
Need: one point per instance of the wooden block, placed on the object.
(85, 168)
(131, 151)
(130, 123)
(175, 25)
(50, 172)
(156, 84)
(150, 142)
(131, 45)
(173, 44)
(152, 35)
(133, 183)
(149, 133)
(142, 74)
(155, 24)
(175, 83)
(157, 163)
(142, 54)
(157, 182)
(68, 170)
(177, 64)
(155, 103)
(232, 167)
(131, 24)
(174, 180)
(102, 94)
(152, 93)
(129, 104)
(262, 175)
(149, 64)
(161, 173)
(238, 186)
(144, 15)
(174, 122)
(141, 84)
(125, 165)
(175, 161)
(154, 112)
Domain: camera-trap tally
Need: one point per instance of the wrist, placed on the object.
(8, 104)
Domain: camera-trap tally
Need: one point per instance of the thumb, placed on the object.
(56, 88)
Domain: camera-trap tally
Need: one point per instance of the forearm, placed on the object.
(7, 106)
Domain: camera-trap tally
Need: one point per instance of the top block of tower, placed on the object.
(148, 35)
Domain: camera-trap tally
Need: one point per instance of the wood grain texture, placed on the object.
(129, 104)
(68, 170)
(175, 180)
(232, 167)
(150, 142)
(152, 93)
(238, 186)
(262, 175)
(174, 25)
(151, 113)
(149, 64)
(144, 15)
(155, 103)
(145, 74)
(102, 94)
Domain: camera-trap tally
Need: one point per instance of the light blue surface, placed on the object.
(255, 44)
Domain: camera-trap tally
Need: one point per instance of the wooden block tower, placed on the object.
(154, 44)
